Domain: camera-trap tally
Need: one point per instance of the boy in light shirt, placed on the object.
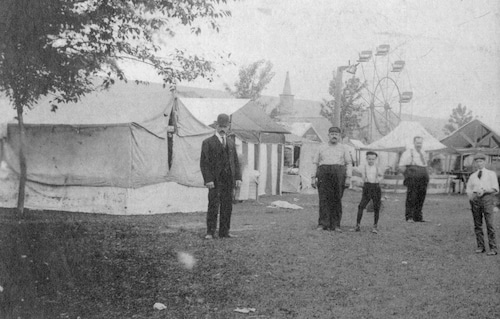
(372, 175)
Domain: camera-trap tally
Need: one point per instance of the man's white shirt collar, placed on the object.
(219, 136)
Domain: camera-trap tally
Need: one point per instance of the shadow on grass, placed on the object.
(55, 266)
(58, 269)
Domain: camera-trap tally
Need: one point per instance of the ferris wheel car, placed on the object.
(398, 66)
(406, 97)
(365, 56)
(383, 49)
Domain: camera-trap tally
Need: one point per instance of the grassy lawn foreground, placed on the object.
(66, 265)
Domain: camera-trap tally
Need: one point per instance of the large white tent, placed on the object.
(132, 149)
(402, 137)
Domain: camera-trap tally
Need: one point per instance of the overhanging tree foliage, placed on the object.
(351, 108)
(459, 116)
(253, 79)
(57, 47)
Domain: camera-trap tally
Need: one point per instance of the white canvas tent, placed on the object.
(109, 153)
(7, 114)
(393, 144)
(400, 139)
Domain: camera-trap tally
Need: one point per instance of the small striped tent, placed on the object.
(260, 142)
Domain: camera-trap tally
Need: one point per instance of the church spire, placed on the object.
(286, 99)
(287, 89)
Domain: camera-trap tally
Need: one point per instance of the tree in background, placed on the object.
(58, 47)
(351, 108)
(253, 79)
(459, 116)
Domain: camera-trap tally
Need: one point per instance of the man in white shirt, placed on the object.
(333, 164)
(413, 164)
(481, 189)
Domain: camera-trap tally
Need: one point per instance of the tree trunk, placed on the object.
(22, 163)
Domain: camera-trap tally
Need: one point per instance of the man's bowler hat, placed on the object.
(223, 120)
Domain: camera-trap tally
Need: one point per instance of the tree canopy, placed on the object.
(459, 116)
(351, 108)
(57, 46)
(253, 79)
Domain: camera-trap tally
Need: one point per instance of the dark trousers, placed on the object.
(483, 207)
(331, 180)
(371, 191)
(416, 182)
(220, 199)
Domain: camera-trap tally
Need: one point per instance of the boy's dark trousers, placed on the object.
(371, 191)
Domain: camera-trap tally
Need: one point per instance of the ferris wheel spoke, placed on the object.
(393, 98)
(364, 99)
(382, 92)
(379, 100)
(375, 75)
(397, 79)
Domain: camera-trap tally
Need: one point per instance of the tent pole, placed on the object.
(257, 188)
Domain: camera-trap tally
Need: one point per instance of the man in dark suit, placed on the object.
(221, 173)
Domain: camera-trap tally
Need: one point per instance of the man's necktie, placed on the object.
(480, 174)
(223, 141)
(422, 158)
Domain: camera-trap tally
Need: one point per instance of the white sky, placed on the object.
(451, 47)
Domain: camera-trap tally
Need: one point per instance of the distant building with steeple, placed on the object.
(286, 99)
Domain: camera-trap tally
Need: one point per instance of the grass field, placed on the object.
(66, 265)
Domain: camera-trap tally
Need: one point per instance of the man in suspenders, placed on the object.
(413, 164)
(372, 176)
(333, 169)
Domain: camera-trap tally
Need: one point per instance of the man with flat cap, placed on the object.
(221, 173)
(481, 189)
(333, 163)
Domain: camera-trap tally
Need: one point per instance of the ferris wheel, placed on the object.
(386, 89)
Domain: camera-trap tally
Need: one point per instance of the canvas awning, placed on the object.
(305, 130)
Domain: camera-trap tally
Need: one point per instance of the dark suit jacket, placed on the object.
(211, 161)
